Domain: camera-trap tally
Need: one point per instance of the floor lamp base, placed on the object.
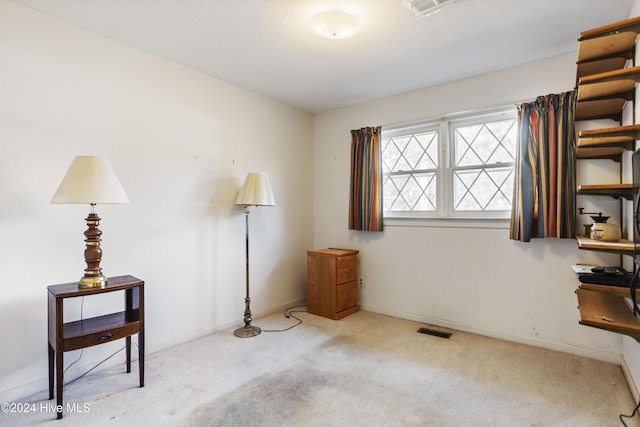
(247, 331)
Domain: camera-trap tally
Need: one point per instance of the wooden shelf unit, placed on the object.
(606, 79)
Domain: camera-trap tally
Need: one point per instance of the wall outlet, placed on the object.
(362, 282)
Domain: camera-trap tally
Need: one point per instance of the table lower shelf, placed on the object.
(99, 330)
(608, 311)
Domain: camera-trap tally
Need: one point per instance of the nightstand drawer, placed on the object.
(346, 269)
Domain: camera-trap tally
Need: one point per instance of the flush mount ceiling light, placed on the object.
(426, 7)
(335, 24)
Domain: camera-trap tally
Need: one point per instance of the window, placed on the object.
(457, 166)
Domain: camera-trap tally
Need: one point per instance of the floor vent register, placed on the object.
(435, 333)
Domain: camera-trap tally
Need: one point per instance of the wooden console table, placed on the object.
(96, 330)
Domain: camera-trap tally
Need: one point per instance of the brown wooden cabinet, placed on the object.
(332, 282)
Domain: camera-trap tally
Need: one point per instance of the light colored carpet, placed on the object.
(365, 370)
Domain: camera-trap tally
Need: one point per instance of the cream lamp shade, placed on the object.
(256, 191)
(90, 180)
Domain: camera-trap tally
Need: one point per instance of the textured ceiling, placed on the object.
(266, 45)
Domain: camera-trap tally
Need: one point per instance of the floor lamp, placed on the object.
(256, 191)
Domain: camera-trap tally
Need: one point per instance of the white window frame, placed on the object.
(445, 215)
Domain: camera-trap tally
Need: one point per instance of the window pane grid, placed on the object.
(410, 152)
(485, 143)
(410, 192)
(483, 189)
(478, 180)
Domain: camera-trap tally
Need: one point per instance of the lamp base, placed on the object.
(247, 331)
(93, 282)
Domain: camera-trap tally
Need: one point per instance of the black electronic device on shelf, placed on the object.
(610, 276)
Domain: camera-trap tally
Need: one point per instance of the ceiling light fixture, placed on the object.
(335, 24)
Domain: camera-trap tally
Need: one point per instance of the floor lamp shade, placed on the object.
(91, 180)
(256, 191)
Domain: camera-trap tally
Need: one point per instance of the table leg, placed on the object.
(128, 350)
(59, 382)
(141, 356)
(51, 370)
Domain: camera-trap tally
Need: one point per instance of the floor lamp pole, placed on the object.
(247, 330)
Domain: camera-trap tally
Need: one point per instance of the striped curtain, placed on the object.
(365, 195)
(545, 184)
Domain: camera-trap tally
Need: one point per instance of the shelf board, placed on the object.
(612, 84)
(619, 291)
(605, 53)
(613, 153)
(612, 190)
(620, 247)
(607, 311)
(600, 109)
(620, 137)
(604, 95)
(628, 25)
(598, 66)
(98, 324)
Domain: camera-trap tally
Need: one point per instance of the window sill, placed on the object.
(501, 223)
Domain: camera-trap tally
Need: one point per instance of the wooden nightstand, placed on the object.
(96, 330)
(332, 282)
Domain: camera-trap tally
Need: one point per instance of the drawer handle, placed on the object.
(106, 337)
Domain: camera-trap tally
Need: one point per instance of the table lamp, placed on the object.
(91, 180)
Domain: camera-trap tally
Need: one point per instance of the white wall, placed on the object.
(473, 279)
(181, 143)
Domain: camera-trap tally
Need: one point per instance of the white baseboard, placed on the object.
(633, 388)
(551, 345)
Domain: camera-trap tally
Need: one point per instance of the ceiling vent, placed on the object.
(426, 7)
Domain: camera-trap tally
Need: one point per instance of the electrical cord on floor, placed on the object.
(100, 363)
(635, 411)
(288, 314)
